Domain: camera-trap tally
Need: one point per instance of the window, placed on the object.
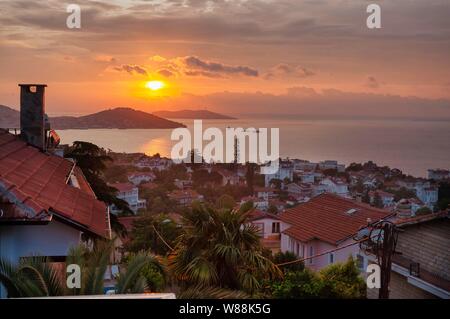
(331, 258)
(276, 228)
(311, 253)
(298, 249)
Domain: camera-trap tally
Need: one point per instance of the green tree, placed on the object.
(250, 176)
(284, 257)
(336, 281)
(366, 198)
(226, 201)
(147, 232)
(92, 160)
(272, 209)
(218, 248)
(377, 202)
(153, 275)
(444, 195)
(402, 193)
(423, 211)
(303, 284)
(354, 167)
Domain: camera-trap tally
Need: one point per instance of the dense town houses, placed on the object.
(386, 199)
(259, 203)
(141, 177)
(439, 174)
(185, 197)
(285, 172)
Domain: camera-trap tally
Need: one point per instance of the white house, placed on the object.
(299, 190)
(158, 163)
(185, 197)
(428, 195)
(309, 177)
(335, 186)
(229, 177)
(129, 193)
(139, 177)
(285, 170)
(325, 223)
(387, 199)
(438, 174)
(264, 192)
(269, 229)
(329, 164)
(259, 203)
(303, 165)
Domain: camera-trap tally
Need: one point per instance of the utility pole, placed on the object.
(388, 249)
(380, 240)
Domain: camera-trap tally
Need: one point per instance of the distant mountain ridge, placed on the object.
(193, 114)
(9, 118)
(121, 118)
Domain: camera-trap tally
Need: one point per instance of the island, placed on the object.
(193, 114)
(118, 118)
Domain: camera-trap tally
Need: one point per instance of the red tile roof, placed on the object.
(257, 214)
(127, 221)
(123, 187)
(327, 217)
(38, 181)
(403, 222)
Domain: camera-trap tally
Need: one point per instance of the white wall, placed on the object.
(266, 223)
(53, 239)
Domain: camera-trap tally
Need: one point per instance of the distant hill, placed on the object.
(9, 118)
(193, 114)
(122, 118)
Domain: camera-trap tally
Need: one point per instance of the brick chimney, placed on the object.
(32, 114)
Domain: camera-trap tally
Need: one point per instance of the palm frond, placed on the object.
(130, 279)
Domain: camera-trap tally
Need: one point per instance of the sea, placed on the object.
(410, 145)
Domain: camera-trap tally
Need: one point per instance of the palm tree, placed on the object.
(31, 277)
(219, 248)
(36, 277)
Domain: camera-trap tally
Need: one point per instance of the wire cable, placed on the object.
(321, 254)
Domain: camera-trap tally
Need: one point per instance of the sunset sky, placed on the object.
(306, 57)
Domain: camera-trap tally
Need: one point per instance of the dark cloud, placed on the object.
(304, 102)
(195, 63)
(131, 69)
(165, 72)
(372, 82)
(284, 70)
(203, 73)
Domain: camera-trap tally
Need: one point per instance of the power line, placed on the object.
(321, 254)
(159, 235)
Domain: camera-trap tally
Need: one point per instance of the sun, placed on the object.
(155, 85)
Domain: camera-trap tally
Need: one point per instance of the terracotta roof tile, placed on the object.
(327, 218)
(123, 187)
(38, 180)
